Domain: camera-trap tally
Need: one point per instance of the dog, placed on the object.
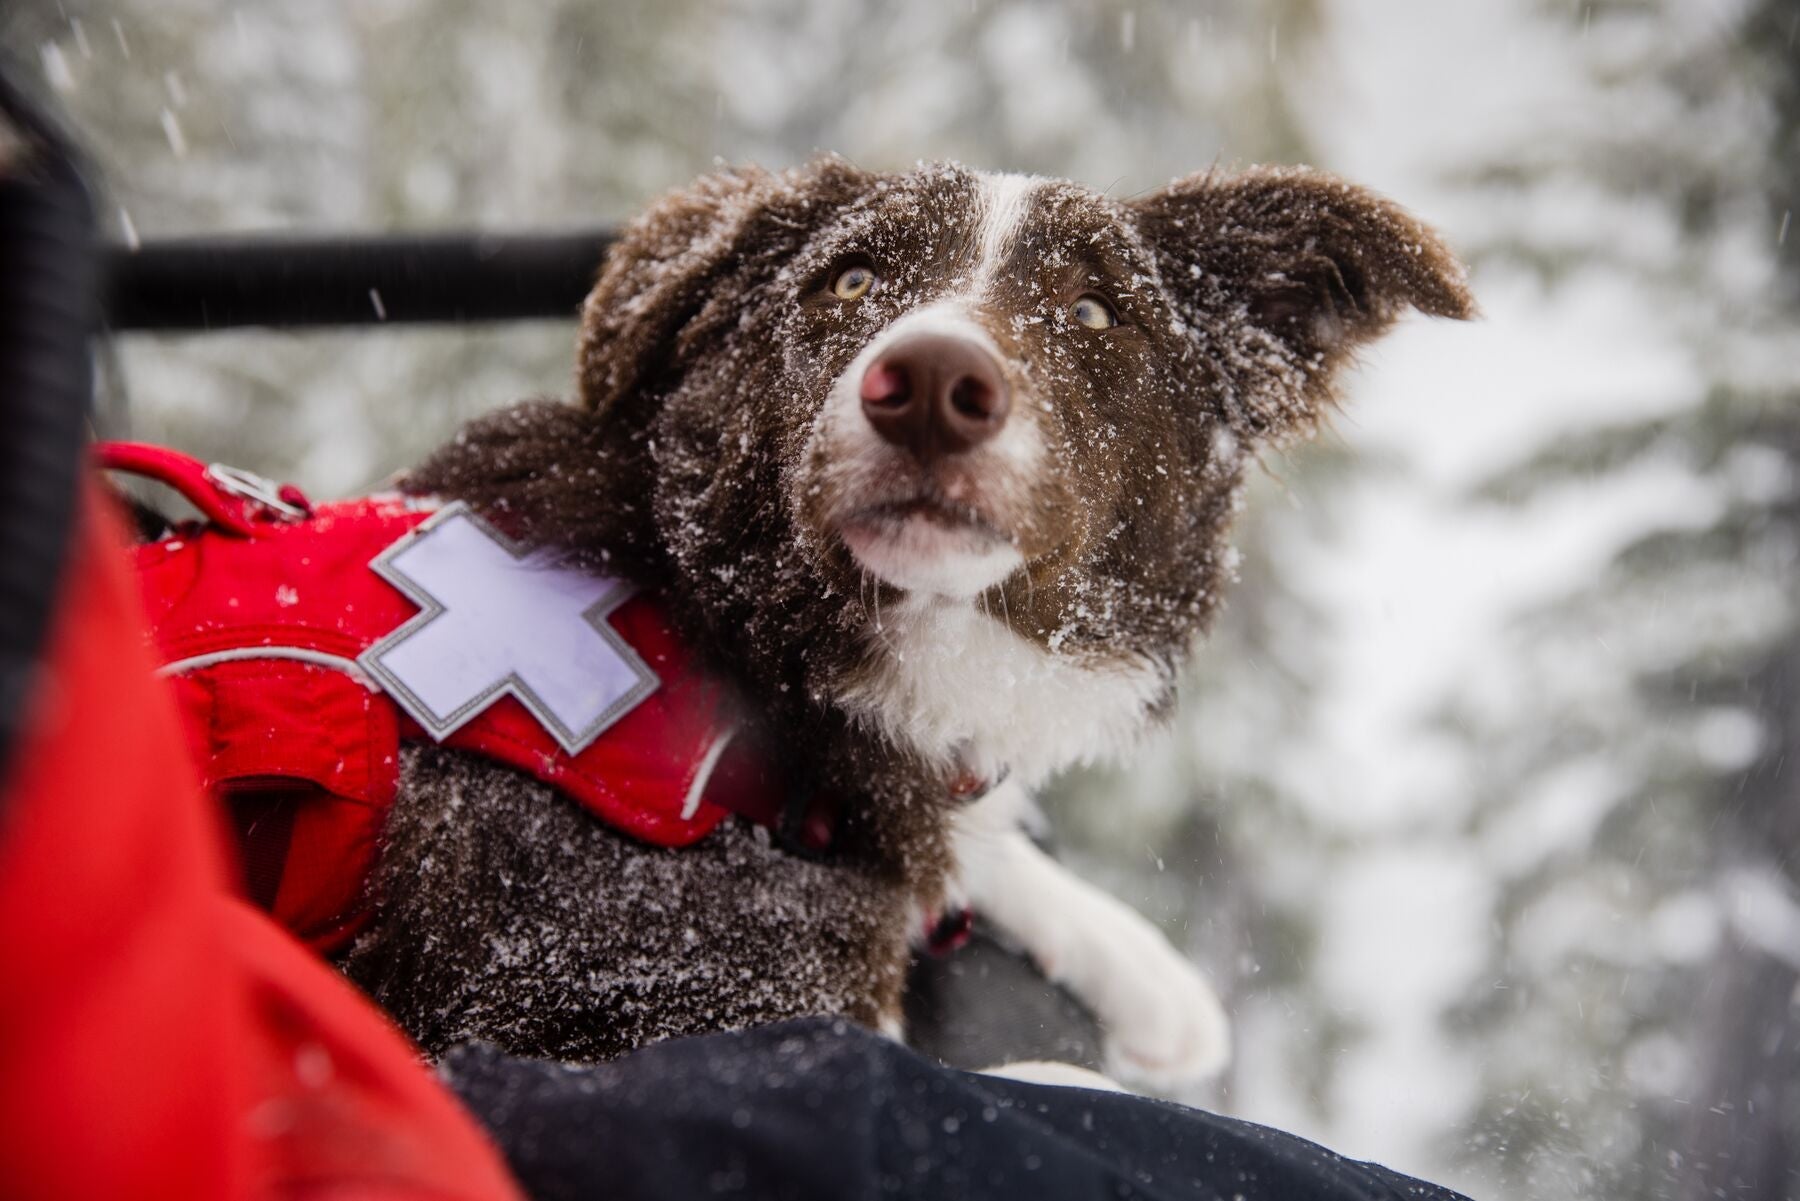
(936, 470)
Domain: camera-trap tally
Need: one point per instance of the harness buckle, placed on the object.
(286, 501)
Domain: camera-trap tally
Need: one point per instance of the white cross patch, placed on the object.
(498, 619)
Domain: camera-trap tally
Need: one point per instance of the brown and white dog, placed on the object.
(936, 468)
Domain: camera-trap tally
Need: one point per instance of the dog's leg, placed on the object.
(1164, 1024)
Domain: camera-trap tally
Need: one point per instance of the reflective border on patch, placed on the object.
(431, 607)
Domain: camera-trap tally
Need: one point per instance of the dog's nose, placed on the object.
(935, 394)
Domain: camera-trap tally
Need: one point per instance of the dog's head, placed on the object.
(957, 451)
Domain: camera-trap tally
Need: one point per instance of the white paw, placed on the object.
(1165, 1027)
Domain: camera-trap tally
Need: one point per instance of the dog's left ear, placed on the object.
(1282, 272)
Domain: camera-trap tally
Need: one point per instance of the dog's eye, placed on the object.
(853, 282)
(1093, 312)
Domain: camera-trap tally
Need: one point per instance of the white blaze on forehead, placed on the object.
(1005, 199)
(953, 318)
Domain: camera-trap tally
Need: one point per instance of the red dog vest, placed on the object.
(306, 644)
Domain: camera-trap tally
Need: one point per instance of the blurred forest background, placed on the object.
(1480, 805)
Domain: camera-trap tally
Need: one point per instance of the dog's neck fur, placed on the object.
(952, 681)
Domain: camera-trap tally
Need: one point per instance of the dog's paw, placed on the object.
(1165, 1027)
(1164, 1024)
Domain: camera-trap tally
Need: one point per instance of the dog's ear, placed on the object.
(672, 262)
(1283, 272)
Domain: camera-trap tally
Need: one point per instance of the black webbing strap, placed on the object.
(199, 284)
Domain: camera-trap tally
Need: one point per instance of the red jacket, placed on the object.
(278, 624)
(158, 1038)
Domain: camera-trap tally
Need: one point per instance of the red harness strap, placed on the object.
(258, 619)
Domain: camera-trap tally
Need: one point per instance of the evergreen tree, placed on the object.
(1635, 770)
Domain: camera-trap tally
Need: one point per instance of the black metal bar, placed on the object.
(48, 295)
(219, 283)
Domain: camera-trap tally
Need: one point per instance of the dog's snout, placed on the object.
(935, 394)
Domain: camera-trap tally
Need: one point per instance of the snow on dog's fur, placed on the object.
(1007, 582)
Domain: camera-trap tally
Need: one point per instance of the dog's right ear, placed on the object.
(678, 256)
(657, 275)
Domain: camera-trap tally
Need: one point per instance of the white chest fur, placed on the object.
(952, 680)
